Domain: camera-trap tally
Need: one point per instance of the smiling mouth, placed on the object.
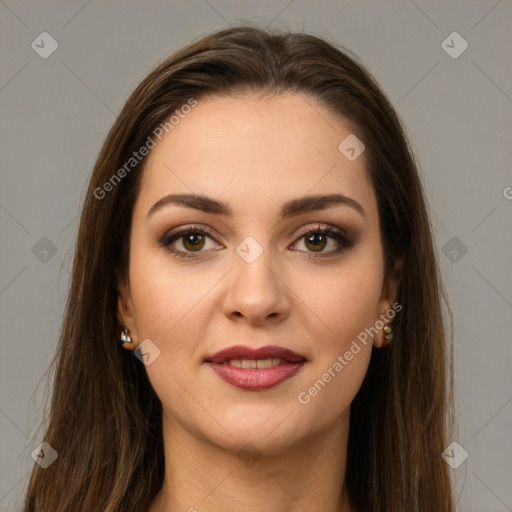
(245, 353)
(255, 369)
(255, 363)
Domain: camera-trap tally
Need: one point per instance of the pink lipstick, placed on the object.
(255, 369)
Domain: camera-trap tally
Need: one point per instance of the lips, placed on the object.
(255, 369)
(242, 352)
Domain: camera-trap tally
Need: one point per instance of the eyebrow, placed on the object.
(289, 209)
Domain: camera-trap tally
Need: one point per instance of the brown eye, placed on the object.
(319, 238)
(189, 242)
(316, 242)
(193, 242)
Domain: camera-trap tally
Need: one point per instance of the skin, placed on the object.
(254, 154)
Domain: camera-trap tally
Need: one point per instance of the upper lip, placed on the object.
(243, 352)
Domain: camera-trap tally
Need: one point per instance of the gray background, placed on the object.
(55, 114)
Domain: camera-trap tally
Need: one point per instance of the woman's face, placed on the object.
(250, 276)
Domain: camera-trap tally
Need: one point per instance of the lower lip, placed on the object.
(255, 379)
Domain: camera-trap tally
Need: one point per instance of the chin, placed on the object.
(270, 428)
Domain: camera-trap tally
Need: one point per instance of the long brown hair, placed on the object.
(105, 419)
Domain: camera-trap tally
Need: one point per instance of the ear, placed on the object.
(387, 299)
(125, 311)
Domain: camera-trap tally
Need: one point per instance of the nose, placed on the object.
(255, 293)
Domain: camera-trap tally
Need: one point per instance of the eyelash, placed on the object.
(178, 233)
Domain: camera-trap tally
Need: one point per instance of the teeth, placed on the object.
(254, 363)
(268, 363)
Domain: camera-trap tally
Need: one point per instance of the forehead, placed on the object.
(254, 152)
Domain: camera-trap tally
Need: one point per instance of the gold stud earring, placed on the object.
(388, 333)
(125, 337)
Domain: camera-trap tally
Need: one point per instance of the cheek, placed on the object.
(172, 303)
(160, 297)
(346, 299)
(153, 293)
(347, 303)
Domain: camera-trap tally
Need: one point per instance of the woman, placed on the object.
(256, 235)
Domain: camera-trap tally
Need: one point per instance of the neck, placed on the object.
(203, 477)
